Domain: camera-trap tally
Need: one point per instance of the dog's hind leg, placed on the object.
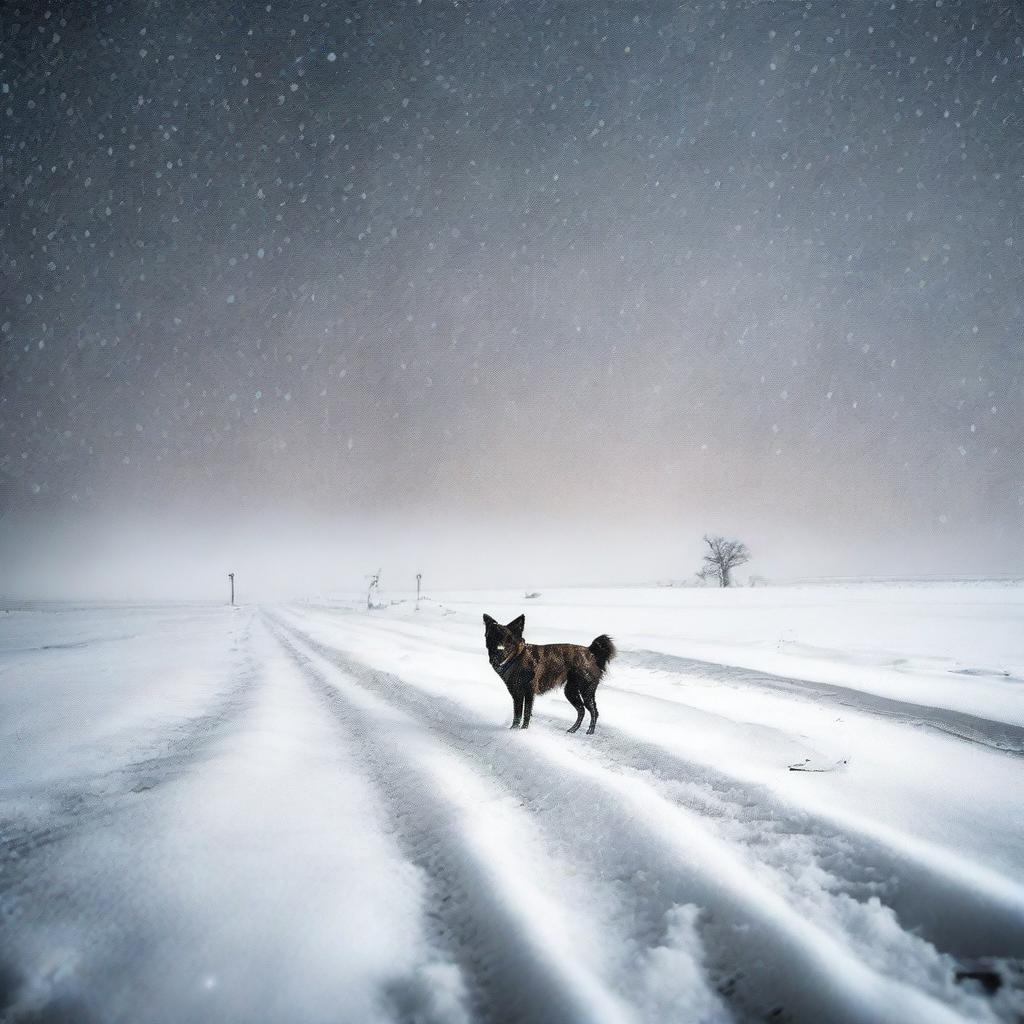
(572, 694)
(590, 703)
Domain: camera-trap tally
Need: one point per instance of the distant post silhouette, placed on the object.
(231, 576)
(419, 576)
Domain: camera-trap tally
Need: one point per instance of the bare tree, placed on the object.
(723, 556)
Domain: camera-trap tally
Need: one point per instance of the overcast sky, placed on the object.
(508, 292)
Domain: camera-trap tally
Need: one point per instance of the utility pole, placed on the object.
(419, 576)
(231, 576)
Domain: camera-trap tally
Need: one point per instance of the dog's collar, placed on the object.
(515, 654)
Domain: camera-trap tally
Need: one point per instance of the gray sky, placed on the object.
(510, 291)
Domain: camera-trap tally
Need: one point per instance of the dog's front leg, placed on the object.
(517, 709)
(527, 708)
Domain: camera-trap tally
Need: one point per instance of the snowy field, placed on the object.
(317, 813)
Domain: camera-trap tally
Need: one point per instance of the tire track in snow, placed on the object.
(968, 889)
(750, 921)
(499, 925)
(1000, 736)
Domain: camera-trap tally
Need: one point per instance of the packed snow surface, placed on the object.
(801, 804)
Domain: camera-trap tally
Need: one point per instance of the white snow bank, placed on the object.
(247, 877)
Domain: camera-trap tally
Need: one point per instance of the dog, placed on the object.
(530, 669)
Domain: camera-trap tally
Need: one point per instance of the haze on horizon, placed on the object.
(516, 294)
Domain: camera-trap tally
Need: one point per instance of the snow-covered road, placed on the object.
(316, 813)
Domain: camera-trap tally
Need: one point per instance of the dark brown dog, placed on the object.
(529, 669)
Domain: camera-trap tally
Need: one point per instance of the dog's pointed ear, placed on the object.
(518, 625)
(488, 621)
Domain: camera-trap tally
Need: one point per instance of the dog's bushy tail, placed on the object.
(603, 650)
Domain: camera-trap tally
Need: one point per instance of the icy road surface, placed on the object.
(315, 813)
